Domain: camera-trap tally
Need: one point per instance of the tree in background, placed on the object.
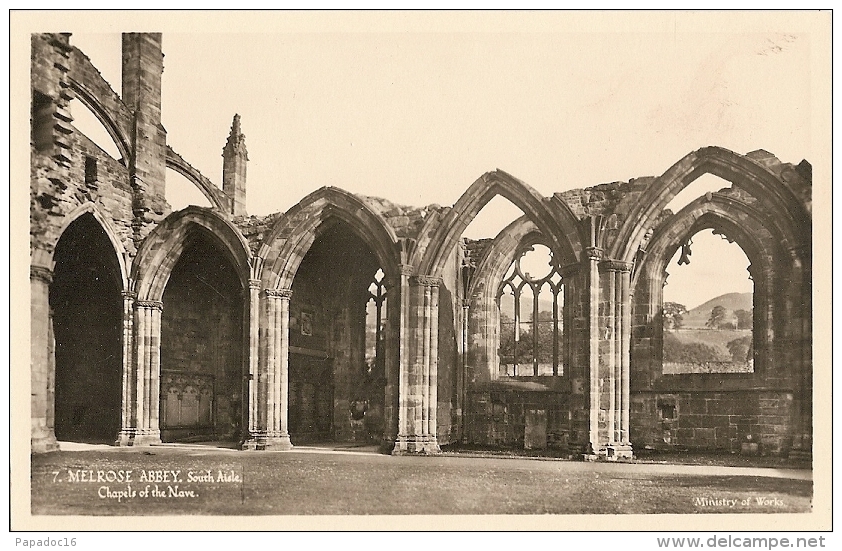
(741, 349)
(744, 319)
(717, 317)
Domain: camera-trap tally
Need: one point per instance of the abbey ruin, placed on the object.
(353, 319)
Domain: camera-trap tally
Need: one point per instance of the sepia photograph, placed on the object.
(421, 270)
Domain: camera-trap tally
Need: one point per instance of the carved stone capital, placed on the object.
(609, 265)
(593, 253)
(406, 269)
(128, 295)
(426, 281)
(41, 274)
(278, 293)
(254, 284)
(150, 304)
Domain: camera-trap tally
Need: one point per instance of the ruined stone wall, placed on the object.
(602, 237)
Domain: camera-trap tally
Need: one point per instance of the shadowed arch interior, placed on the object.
(87, 325)
(202, 395)
(333, 393)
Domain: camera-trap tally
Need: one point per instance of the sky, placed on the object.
(417, 115)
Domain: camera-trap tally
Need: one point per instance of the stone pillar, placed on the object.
(799, 337)
(147, 346)
(615, 340)
(405, 415)
(42, 362)
(392, 356)
(419, 393)
(433, 379)
(596, 415)
(625, 356)
(253, 355)
(461, 386)
(129, 399)
(270, 431)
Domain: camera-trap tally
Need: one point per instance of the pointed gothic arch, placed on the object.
(282, 251)
(554, 219)
(107, 228)
(163, 247)
(775, 198)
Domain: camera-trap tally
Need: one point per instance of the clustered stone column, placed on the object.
(147, 332)
(618, 334)
(419, 385)
(269, 428)
(609, 322)
(126, 435)
(253, 354)
(42, 358)
(596, 415)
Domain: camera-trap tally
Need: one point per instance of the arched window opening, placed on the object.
(706, 183)
(531, 302)
(90, 126)
(375, 325)
(708, 307)
(181, 192)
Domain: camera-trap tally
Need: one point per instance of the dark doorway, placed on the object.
(87, 320)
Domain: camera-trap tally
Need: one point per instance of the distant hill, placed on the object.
(698, 316)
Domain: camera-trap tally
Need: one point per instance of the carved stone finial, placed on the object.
(685, 252)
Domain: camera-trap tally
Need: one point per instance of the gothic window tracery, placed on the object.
(375, 324)
(531, 302)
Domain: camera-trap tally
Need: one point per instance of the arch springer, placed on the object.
(255, 284)
(278, 293)
(150, 304)
(426, 281)
(593, 253)
(610, 265)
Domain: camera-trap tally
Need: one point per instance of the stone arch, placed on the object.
(482, 293)
(89, 100)
(498, 257)
(119, 249)
(742, 224)
(775, 198)
(282, 251)
(216, 196)
(163, 247)
(703, 213)
(86, 327)
(555, 220)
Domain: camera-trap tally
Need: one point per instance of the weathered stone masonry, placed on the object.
(209, 324)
